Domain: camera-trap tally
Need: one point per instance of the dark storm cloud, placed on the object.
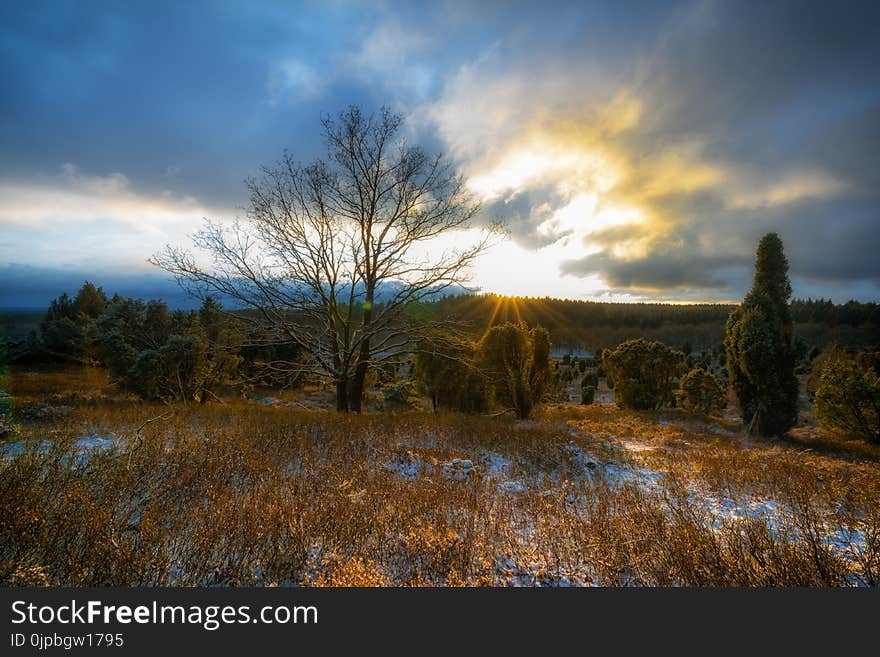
(194, 96)
(751, 117)
(29, 287)
(830, 244)
(658, 271)
(190, 96)
(770, 84)
(770, 87)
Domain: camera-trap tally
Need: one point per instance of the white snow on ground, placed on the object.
(519, 575)
(579, 457)
(618, 474)
(407, 465)
(852, 545)
(513, 486)
(83, 445)
(847, 540)
(460, 470)
(848, 543)
(487, 464)
(495, 464)
(721, 506)
(102, 443)
(613, 472)
(17, 447)
(635, 446)
(500, 468)
(727, 508)
(525, 567)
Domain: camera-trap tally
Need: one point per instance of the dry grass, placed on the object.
(247, 494)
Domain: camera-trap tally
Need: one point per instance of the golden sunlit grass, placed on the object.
(35, 385)
(245, 494)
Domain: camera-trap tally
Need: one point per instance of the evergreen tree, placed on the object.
(644, 373)
(588, 387)
(446, 367)
(167, 355)
(90, 301)
(759, 343)
(65, 329)
(518, 361)
(700, 391)
(848, 394)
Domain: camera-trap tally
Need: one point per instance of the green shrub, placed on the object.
(447, 368)
(603, 371)
(145, 374)
(644, 373)
(700, 391)
(162, 355)
(400, 392)
(816, 368)
(848, 396)
(588, 393)
(517, 360)
(64, 330)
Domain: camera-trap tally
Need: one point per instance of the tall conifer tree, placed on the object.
(759, 343)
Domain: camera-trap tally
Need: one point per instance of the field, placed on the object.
(100, 488)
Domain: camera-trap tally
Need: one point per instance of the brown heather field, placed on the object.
(243, 493)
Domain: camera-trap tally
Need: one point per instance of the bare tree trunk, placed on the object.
(359, 377)
(363, 361)
(342, 395)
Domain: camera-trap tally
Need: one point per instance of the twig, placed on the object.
(138, 439)
(211, 392)
(751, 424)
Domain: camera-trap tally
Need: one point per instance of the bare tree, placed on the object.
(331, 254)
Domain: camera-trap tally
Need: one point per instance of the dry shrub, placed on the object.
(241, 494)
(354, 571)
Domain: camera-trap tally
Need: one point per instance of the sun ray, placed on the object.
(515, 305)
(499, 301)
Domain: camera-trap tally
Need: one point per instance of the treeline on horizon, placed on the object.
(572, 324)
(596, 325)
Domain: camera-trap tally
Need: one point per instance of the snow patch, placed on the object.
(82, 445)
(636, 447)
(16, 448)
(102, 443)
(515, 574)
(459, 469)
(579, 457)
(513, 486)
(406, 465)
(618, 474)
(495, 464)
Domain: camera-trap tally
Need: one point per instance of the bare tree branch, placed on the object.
(331, 254)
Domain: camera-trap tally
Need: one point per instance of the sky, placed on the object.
(635, 151)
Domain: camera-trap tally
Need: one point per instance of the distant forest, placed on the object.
(596, 325)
